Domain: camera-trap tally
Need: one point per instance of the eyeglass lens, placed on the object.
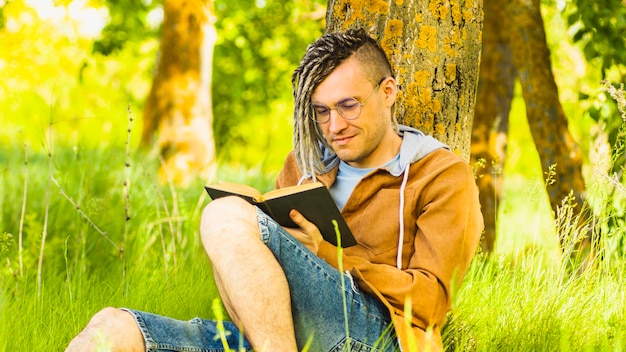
(349, 109)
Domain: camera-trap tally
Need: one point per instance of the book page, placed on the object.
(238, 188)
(291, 190)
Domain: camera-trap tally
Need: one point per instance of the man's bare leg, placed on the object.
(110, 329)
(251, 283)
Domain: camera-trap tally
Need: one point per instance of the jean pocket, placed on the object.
(351, 345)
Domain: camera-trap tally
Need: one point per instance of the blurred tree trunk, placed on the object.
(178, 110)
(434, 49)
(514, 32)
(546, 118)
(496, 83)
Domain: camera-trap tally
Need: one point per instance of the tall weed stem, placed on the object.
(20, 236)
(126, 189)
(44, 233)
(85, 216)
(343, 282)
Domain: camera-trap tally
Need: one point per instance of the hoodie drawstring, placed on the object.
(401, 217)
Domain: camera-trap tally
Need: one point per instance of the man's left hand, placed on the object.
(308, 234)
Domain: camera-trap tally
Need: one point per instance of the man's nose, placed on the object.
(336, 122)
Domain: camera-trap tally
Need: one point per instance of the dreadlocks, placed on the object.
(319, 61)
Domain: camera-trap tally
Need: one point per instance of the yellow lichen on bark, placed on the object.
(351, 11)
(339, 9)
(399, 2)
(457, 15)
(420, 105)
(468, 15)
(435, 106)
(438, 9)
(419, 18)
(392, 39)
(377, 6)
(440, 128)
(455, 37)
(422, 77)
(463, 36)
(399, 71)
(450, 73)
(447, 47)
(427, 38)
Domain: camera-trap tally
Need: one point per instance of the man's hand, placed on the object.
(308, 233)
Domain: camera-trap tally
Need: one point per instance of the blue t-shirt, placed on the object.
(347, 178)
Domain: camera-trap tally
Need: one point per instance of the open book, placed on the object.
(312, 200)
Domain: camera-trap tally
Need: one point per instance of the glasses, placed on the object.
(348, 108)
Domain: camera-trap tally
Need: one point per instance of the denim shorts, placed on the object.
(330, 313)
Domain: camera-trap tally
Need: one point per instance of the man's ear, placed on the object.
(390, 88)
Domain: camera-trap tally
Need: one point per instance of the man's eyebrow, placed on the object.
(314, 102)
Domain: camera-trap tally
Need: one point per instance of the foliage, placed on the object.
(259, 45)
(129, 21)
(2, 5)
(611, 185)
(599, 27)
(49, 77)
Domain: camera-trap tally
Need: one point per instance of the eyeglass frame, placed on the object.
(337, 107)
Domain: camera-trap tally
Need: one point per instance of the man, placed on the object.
(410, 202)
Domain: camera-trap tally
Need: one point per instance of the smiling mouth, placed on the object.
(342, 140)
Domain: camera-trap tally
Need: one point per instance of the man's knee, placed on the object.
(110, 317)
(227, 219)
(109, 328)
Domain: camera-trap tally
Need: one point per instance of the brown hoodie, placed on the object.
(442, 227)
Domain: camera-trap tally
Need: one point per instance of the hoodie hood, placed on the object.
(415, 146)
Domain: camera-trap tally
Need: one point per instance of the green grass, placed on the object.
(161, 269)
(535, 305)
(522, 298)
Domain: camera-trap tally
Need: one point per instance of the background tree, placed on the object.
(258, 46)
(491, 119)
(434, 49)
(520, 51)
(179, 104)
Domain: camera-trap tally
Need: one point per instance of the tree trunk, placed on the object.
(178, 110)
(515, 46)
(546, 118)
(496, 83)
(434, 49)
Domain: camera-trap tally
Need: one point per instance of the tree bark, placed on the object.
(434, 49)
(496, 84)
(178, 110)
(546, 118)
(515, 46)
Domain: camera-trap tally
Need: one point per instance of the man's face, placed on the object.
(369, 140)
